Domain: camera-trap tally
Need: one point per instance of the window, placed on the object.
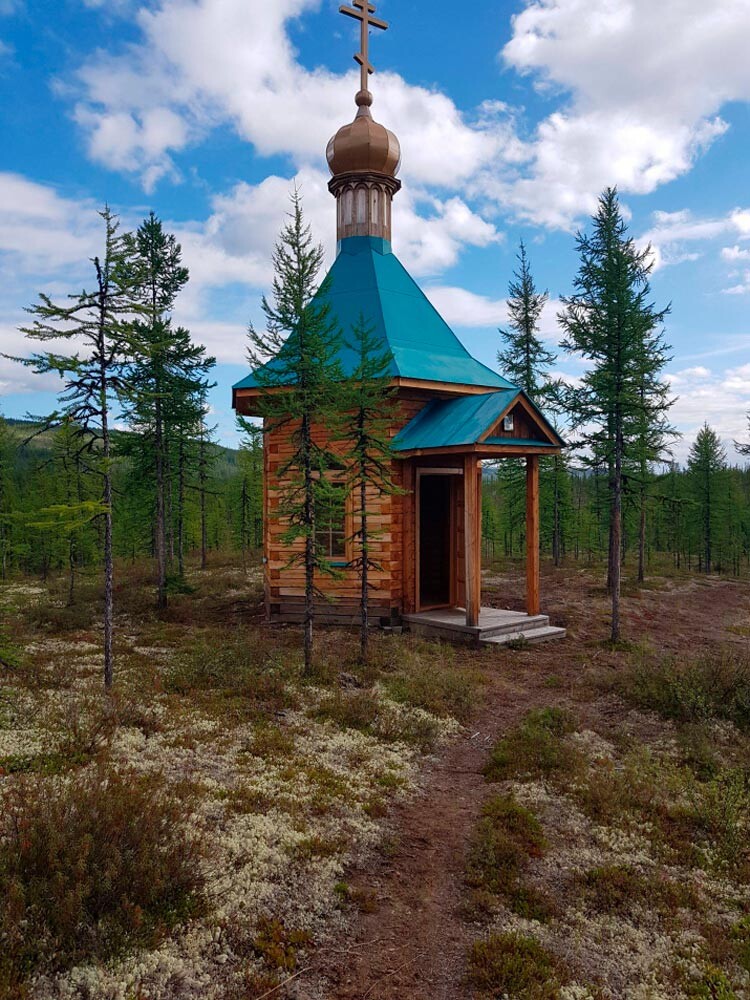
(330, 522)
(508, 422)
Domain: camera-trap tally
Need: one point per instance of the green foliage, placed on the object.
(514, 965)
(89, 868)
(537, 748)
(714, 685)
(436, 686)
(506, 837)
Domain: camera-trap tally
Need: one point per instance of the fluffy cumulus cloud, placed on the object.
(720, 398)
(641, 86)
(213, 62)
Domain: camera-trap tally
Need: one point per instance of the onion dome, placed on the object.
(364, 146)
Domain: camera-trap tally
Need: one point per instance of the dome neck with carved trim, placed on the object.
(364, 158)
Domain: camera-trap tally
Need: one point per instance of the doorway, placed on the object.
(436, 543)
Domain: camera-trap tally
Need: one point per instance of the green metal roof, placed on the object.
(368, 279)
(444, 423)
(448, 423)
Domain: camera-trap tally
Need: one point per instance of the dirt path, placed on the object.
(412, 945)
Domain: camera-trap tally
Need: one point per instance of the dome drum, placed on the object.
(363, 203)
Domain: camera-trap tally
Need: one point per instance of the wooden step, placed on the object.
(533, 635)
(520, 624)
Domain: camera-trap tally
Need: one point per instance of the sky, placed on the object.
(512, 118)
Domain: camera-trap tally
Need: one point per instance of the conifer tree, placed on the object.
(7, 497)
(744, 449)
(368, 402)
(297, 353)
(606, 321)
(706, 461)
(168, 372)
(527, 363)
(524, 360)
(100, 319)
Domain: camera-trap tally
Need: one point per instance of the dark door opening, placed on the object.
(435, 541)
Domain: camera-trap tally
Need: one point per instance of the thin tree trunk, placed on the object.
(181, 510)
(364, 601)
(642, 540)
(161, 538)
(309, 545)
(204, 528)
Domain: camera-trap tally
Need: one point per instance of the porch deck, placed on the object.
(497, 626)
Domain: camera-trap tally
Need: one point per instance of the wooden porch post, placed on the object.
(532, 534)
(472, 539)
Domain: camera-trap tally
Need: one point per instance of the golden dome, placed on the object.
(364, 146)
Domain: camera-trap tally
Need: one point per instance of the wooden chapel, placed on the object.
(453, 413)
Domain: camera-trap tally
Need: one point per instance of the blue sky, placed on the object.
(512, 117)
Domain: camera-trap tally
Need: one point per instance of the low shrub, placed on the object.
(440, 688)
(516, 966)
(618, 888)
(537, 748)
(90, 867)
(715, 685)
(350, 709)
(506, 837)
(242, 668)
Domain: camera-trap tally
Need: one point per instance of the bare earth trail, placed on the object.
(413, 944)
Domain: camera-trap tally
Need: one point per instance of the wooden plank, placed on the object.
(408, 503)
(472, 553)
(532, 535)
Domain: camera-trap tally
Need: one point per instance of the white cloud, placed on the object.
(720, 398)
(641, 85)
(741, 288)
(215, 62)
(461, 308)
(735, 253)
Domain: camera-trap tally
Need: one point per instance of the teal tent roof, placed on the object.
(447, 423)
(367, 279)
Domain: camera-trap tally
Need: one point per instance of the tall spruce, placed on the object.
(527, 363)
(607, 321)
(298, 353)
(369, 404)
(706, 462)
(168, 372)
(524, 360)
(99, 320)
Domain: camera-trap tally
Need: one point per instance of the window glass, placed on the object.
(330, 523)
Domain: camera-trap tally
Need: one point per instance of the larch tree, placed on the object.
(168, 372)
(95, 324)
(527, 363)
(744, 449)
(369, 404)
(297, 368)
(606, 321)
(706, 461)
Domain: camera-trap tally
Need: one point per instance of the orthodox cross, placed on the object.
(362, 11)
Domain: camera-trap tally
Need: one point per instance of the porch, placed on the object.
(495, 626)
(443, 450)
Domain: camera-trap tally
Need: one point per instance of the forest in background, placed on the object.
(221, 508)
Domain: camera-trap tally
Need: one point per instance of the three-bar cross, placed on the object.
(362, 11)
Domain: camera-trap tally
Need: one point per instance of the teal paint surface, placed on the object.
(367, 280)
(447, 423)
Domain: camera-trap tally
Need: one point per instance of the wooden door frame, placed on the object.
(453, 526)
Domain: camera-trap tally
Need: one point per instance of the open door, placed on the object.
(436, 542)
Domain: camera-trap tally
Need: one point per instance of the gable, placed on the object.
(478, 420)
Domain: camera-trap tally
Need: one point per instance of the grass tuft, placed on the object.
(537, 748)
(516, 966)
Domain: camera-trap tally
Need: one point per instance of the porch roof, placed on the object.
(452, 423)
